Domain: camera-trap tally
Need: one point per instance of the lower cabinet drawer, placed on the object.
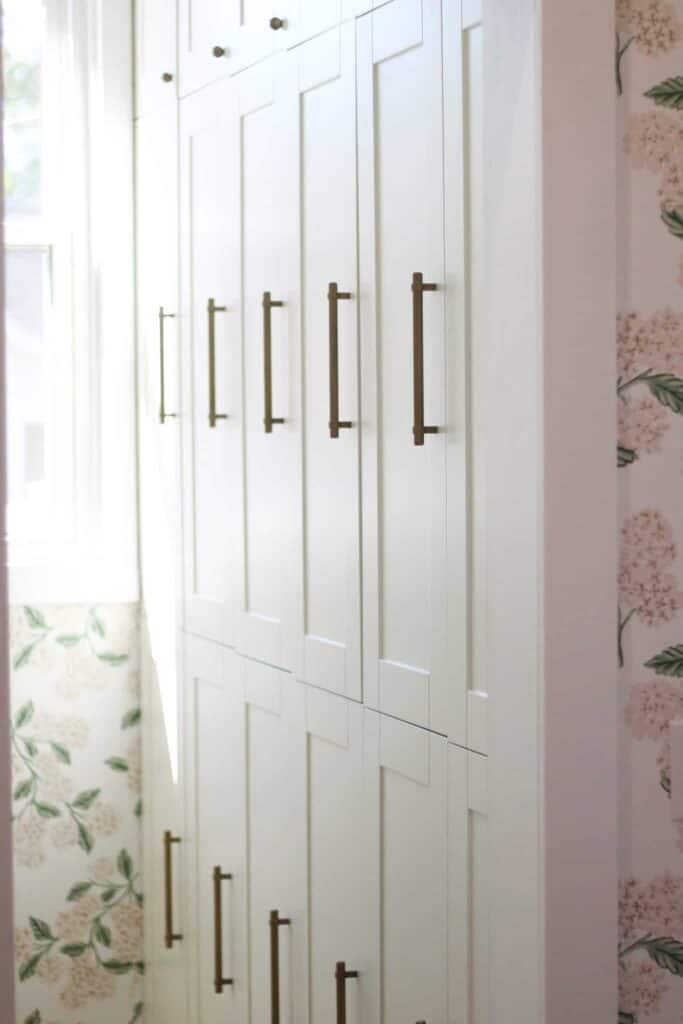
(334, 858)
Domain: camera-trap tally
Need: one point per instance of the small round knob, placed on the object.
(219, 51)
(167, 77)
(276, 23)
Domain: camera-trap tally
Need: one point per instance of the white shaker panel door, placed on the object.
(276, 844)
(468, 884)
(211, 367)
(159, 377)
(322, 76)
(338, 879)
(167, 953)
(216, 833)
(204, 28)
(404, 364)
(407, 820)
(156, 35)
(261, 235)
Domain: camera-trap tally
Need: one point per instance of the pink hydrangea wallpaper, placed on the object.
(649, 82)
(76, 814)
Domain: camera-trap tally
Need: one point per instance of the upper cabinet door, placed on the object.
(311, 17)
(261, 231)
(156, 41)
(411, 669)
(159, 372)
(211, 366)
(322, 76)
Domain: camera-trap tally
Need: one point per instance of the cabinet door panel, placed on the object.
(329, 654)
(262, 238)
(406, 666)
(204, 25)
(276, 838)
(156, 29)
(159, 422)
(212, 452)
(407, 818)
(215, 759)
(338, 882)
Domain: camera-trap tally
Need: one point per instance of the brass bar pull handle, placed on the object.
(341, 974)
(268, 418)
(419, 429)
(275, 923)
(171, 936)
(163, 415)
(333, 297)
(212, 309)
(219, 876)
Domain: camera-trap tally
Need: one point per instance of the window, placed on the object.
(68, 134)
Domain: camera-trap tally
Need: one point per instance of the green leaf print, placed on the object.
(627, 1018)
(668, 390)
(125, 864)
(74, 949)
(674, 221)
(41, 929)
(85, 839)
(137, 1013)
(102, 934)
(668, 663)
(34, 1018)
(24, 715)
(46, 810)
(61, 752)
(668, 93)
(78, 890)
(35, 618)
(29, 967)
(23, 789)
(668, 954)
(85, 800)
(626, 456)
(131, 718)
(69, 639)
(117, 764)
(118, 966)
(112, 659)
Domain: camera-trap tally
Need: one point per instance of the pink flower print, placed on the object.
(642, 425)
(641, 988)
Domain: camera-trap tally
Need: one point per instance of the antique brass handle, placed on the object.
(167, 77)
(341, 974)
(163, 415)
(212, 309)
(218, 51)
(333, 297)
(170, 936)
(275, 923)
(268, 418)
(219, 876)
(276, 23)
(419, 429)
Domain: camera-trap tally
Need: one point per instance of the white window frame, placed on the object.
(93, 265)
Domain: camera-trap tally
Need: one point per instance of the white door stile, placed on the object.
(322, 105)
(156, 36)
(262, 238)
(401, 199)
(211, 462)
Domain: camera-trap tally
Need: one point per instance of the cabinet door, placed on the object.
(276, 843)
(159, 374)
(261, 230)
(408, 667)
(215, 843)
(166, 964)
(468, 880)
(339, 884)
(156, 76)
(407, 801)
(211, 365)
(323, 77)
(311, 17)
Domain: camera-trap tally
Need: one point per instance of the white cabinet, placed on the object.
(156, 76)
(321, 79)
(410, 668)
(260, 234)
(211, 368)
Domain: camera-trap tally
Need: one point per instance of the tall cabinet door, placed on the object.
(407, 821)
(339, 886)
(215, 842)
(322, 74)
(261, 236)
(406, 431)
(211, 365)
(156, 38)
(276, 844)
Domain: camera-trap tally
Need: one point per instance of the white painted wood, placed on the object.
(337, 854)
(156, 39)
(159, 443)
(216, 822)
(472, 13)
(276, 837)
(313, 17)
(477, 721)
(211, 456)
(260, 236)
(203, 25)
(401, 202)
(322, 77)
(166, 970)
(407, 815)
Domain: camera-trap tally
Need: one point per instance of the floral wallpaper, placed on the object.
(649, 381)
(76, 814)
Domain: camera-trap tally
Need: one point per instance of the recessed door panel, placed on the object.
(211, 367)
(156, 75)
